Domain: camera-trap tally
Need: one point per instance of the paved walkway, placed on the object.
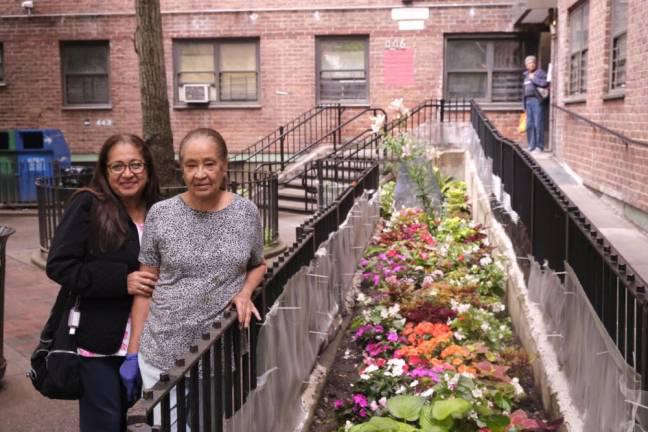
(626, 238)
(29, 295)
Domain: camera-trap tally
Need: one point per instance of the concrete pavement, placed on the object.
(29, 295)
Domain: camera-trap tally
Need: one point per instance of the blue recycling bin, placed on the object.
(37, 152)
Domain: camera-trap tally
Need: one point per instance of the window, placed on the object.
(489, 70)
(2, 73)
(85, 73)
(342, 69)
(619, 44)
(230, 69)
(578, 20)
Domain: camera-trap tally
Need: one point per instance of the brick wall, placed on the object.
(32, 96)
(604, 162)
(507, 123)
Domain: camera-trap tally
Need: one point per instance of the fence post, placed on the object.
(339, 131)
(282, 140)
(320, 183)
(5, 232)
(441, 110)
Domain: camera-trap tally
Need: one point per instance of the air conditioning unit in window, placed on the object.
(194, 93)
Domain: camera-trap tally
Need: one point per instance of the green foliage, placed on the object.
(405, 407)
(387, 199)
(451, 408)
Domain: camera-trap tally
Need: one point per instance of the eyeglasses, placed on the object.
(136, 167)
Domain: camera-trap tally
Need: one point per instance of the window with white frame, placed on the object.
(85, 70)
(489, 70)
(228, 68)
(343, 69)
(578, 43)
(619, 44)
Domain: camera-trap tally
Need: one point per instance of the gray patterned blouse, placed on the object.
(203, 258)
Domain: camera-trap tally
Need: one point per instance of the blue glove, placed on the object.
(129, 372)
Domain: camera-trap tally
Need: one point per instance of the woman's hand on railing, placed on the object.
(245, 309)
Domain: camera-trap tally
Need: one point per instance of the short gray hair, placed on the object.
(530, 59)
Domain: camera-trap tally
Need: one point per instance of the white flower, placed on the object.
(414, 383)
(519, 391)
(377, 122)
(347, 426)
(462, 308)
(452, 383)
(363, 299)
(459, 336)
(382, 401)
(498, 307)
(477, 393)
(485, 261)
(395, 367)
(400, 389)
(396, 104)
(394, 310)
(371, 368)
(467, 375)
(485, 327)
(427, 393)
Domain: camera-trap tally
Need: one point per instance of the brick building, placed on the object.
(600, 49)
(72, 65)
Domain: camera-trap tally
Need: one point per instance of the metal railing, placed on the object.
(260, 187)
(298, 135)
(623, 138)
(320, 177)
(227, 354)
(559, 232)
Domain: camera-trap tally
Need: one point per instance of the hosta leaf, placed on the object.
(429, 424)
(405, 407)
(455, 408)
(385, 424)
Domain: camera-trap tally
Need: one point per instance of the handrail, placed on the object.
(332, 133)
(625, 139)
(279, 135)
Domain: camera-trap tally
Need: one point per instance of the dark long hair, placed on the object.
(109, 217)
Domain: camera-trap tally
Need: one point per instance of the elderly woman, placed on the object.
(206, 245)
(94, 255)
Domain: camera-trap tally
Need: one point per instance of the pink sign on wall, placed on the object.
(399, 67)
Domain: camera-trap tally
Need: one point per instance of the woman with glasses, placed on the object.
(206, 245)
(94, 255)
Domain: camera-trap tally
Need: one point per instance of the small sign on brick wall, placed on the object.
(399, 67)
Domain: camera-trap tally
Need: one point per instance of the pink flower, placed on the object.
(338, 404)
(392, 336)
(360, 400)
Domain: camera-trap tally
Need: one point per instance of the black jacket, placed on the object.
(99, 279)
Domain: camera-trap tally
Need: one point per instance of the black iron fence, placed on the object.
(227, 354)
(322, 177)
(279, 147)
(559, 232)
(260, 187)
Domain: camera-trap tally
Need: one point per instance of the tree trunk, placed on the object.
(153, 89)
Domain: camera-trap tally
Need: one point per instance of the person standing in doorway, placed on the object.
(534, 79)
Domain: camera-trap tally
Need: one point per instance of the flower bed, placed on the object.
(431, 347)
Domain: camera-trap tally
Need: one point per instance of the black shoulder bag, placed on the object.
(55, 363)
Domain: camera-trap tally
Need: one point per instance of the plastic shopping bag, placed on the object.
(522, 125)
